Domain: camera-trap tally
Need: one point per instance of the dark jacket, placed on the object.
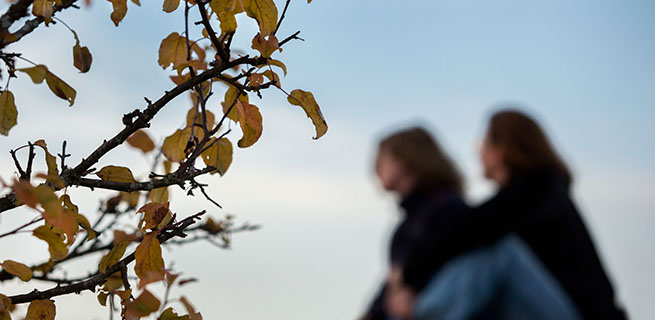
(421, 209)
(538, 208)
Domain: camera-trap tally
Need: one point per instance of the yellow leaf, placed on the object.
(102, 298)
(189, 308)
(36, 73)
(44, 9)
(113, 256)
(142, 306)
(148, 256)
(219, 155)
(5, 307)
(8, 112)
(266, 47)
(276, 63)
(84, 222)
(265, 12)
(18, 269)
(169, 314)
(132, 198)
(250, 121)
(155, 215)
(225, 11)
(230, 96)
(192, 114)
(82, 58)
(159, 195)
(120, 10)
(172, 51)
(141, 140)
(273, 77)
(51, 162)
(170, 5)
(116, 173)
(60, 88)
(55, 242)
(174, 146)
(306, 101)
(41, 310)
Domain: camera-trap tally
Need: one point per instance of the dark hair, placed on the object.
(423, 158)
(525, 146)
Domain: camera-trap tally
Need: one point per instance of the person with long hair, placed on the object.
(534, 203)
(411, 164)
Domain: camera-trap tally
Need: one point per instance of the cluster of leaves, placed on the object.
(199, 70)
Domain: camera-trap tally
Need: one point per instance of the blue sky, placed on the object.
(585, 69)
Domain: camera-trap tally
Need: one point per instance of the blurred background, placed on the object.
(585, 69)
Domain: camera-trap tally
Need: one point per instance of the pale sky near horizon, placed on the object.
(584, 69)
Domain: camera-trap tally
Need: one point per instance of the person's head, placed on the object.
(514, 144)
(411, 159)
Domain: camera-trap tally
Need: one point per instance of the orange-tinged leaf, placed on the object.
(120, 10)
(266, 47)
(51, 162)
(169, 314)
(190, 309)
(55, 214)
(148, 256)
(121, 236)
(174, 146)
(8, 112)
(265, 12)
(82, 58)
(36, 73)
(256, 79)
(112, 257)
(159, 195)
(219, 155)
(306, 101)
(170, 5)
(25, 193)
(230, 96)
(142, 306)
(5, 307)
(116, 173)
(250, 121)
(55, 242)
(155, 215)
(141, 140)
(60, 88)
(44, 9)
(41, 310)
(149, 277)
(18, 269)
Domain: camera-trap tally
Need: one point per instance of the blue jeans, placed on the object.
(502, 281)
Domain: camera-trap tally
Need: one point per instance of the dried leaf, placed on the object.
(174, 146)
(273, 77)
(169, 314)
(121, 236)
(41, 310)
(8, 112)
(44, 9)
(170, 5)
(251, 124)
(189, 308)
(55, 242)
(148, 256)
(155, 215)
(172, 51)
(218, 155)
(192, 114)
(60, 88)
(265, 12)
(142, 306)
(82, 58)
(18, 269)
(141, 141)
(55, 214)
(159, 195)
(120, 10)
(306, 101)
(102, 298)
(5, 307)
(131, 198)
(116, 173)
(51, 162)
(36, 73)
(230, 96)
